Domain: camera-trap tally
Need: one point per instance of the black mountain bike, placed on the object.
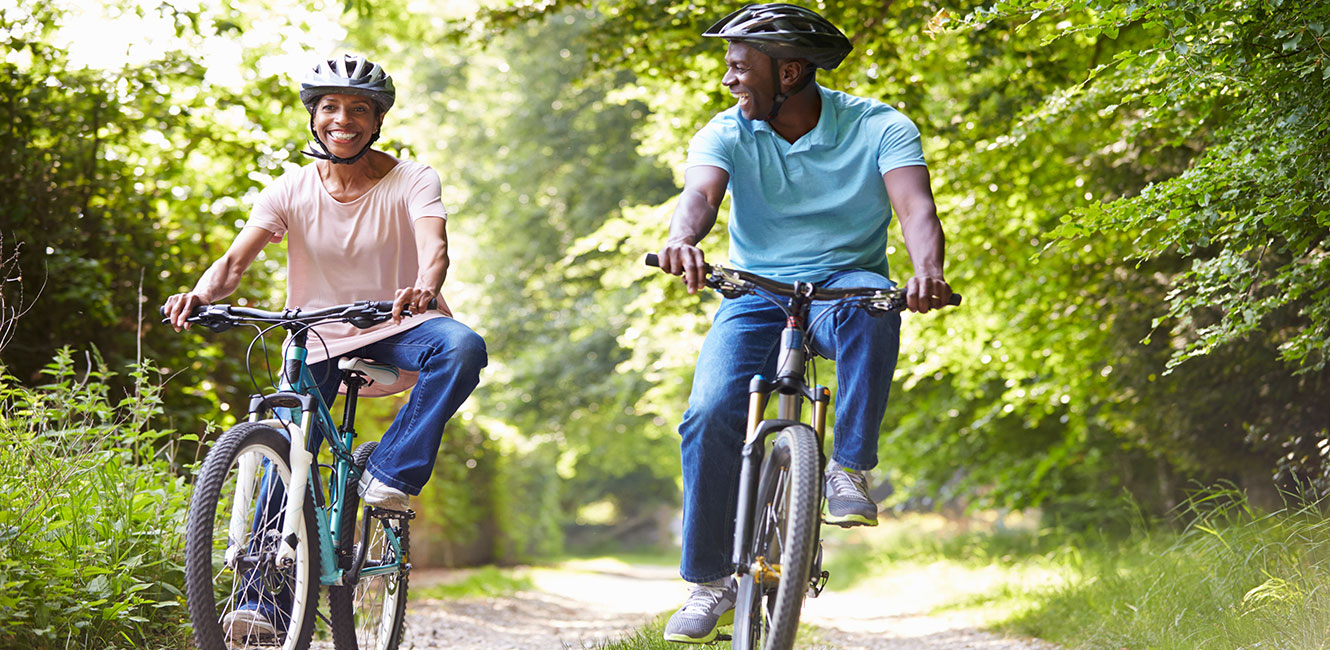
(777, 541)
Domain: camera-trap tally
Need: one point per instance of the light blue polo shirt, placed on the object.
(805, 210)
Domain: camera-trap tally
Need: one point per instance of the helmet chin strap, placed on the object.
(780, 97)
(328, 154)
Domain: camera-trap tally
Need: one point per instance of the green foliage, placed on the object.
(537, 151)
(526, 496)
(1245, 86)
(91, 515)
(120, 185)
(1123, 187)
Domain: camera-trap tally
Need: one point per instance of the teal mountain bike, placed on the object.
(269, 526)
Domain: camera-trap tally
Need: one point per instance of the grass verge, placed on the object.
(485, 582)
(1232, 578)
(1219, 575)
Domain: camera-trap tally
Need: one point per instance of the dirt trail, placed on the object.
(587, 603)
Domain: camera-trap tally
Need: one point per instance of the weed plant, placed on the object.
(91, 514)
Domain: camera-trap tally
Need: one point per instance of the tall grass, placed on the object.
(91, 515)
(1232, 578)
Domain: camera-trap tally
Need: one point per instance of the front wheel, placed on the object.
(771, 591)
(369, 613)
(240, 593)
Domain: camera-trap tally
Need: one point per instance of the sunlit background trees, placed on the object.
(1134, 195)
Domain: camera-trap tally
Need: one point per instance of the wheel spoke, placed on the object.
(239, 597)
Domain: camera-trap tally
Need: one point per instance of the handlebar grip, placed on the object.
(955, 300)
(198, 309)
(387, 305)
(652, 260)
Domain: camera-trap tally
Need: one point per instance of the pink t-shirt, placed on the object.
(343, 252)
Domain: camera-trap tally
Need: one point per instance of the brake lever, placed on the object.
(883, 303)
(213, 317)
(726, 285)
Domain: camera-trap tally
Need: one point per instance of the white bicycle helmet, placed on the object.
(350, 74)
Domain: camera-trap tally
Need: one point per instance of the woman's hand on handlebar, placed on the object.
(683, 258)
(415, 299)
(923, 293)
(179, 306)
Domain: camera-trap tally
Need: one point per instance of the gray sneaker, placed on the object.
(848, 503)
(710, 606)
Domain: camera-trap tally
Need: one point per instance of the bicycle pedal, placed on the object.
(384, 513)
(818, 584)
(721, 637)
(841, 524)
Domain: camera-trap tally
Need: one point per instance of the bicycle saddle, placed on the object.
(379, 373)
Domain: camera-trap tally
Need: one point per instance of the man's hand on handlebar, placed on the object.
(923, 293)
(683, 258)
(179, 306)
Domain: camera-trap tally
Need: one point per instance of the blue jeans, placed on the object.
(743, 342)
(449, 356)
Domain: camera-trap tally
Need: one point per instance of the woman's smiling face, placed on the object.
(345, 123)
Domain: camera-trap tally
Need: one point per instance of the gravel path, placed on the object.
(583, 604)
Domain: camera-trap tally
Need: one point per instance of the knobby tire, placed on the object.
(370, 614)
(788, 499)
(212, 587)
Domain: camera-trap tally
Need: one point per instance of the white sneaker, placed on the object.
(243, 624)
(379, 494)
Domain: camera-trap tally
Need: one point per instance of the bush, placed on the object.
(91, 515)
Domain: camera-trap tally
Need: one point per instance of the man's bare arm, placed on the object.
(694, 216)
(912, 200)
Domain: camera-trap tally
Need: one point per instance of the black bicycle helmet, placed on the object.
(785, 31)
(350, 74)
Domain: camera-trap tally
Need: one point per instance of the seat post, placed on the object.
(353, 383)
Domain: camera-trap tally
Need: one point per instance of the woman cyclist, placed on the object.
(360, 224)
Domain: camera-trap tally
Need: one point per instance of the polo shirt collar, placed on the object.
(822, 135)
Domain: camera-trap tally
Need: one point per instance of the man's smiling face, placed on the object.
(748, 78)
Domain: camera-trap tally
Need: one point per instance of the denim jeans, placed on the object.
(743, 342)
(449, 356)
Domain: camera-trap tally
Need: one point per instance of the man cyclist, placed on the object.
(814, 177)
(360, 225)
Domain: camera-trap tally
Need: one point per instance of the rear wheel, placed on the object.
(240, 594)
(369, 613)
(771, 592)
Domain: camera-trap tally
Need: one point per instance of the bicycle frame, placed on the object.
(791, 388)
(299, 397)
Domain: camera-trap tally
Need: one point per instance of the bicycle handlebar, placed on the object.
(362, 314)
(725, 279)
